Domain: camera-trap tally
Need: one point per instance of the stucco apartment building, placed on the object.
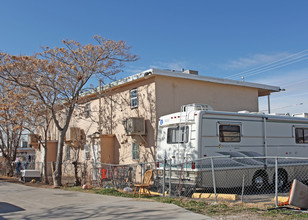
(118, 123)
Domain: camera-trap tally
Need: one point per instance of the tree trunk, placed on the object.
(45, 177)
(57, 175)
(9, 168)
(77, 179)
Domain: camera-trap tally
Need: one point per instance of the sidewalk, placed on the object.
(23, 202)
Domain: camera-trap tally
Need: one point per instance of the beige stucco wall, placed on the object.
(172, 93)
(119, 109)
(116, 108)
(157, 96)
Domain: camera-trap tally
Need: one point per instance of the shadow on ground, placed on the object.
(7, 207)
(97, 212)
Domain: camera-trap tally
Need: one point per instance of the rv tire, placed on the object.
(260, 180)
(282, 179)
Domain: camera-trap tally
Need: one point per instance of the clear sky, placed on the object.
(217, 38)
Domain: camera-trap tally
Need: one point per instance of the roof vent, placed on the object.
(280, 114)
(192, 72)
(196, 107)
(244, 112)
(301, 115)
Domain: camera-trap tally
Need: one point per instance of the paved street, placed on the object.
(23, 202)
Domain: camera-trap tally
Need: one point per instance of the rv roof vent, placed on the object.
(280, 114)
(258, 113)
(244, 112)
(301, 115)
(196, 107)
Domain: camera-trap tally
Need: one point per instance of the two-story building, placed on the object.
(118, 122)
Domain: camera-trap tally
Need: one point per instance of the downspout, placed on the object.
(100, 108)
(111, 115)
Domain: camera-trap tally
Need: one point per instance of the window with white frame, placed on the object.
(87, 110)
(134, 98)
(87, 152)
(135, 151)
(24, 144)
(177, 134)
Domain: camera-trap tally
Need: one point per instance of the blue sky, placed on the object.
(217, 38)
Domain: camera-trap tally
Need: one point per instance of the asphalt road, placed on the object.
(23, 202)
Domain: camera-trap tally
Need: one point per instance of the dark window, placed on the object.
(133, 98)
(24, 144)
(229, 133)
(177, 135)
(87, 110)
(301, 135)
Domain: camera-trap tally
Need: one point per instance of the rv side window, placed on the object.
(229, 133)
(177, 135)
(301, 135)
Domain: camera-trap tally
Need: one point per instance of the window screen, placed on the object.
(301, 135)
(178, 135)
(229, 133)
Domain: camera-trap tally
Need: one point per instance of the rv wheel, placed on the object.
(260, 180)
(282, 179)
(189, 191)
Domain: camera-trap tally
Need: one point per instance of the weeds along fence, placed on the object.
(120, 176)
(95, 174)
(246, 177)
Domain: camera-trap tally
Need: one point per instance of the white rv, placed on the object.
(243, 141)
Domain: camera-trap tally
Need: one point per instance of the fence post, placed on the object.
(164, 177)
(170, 177)
(243, 188)
(276, 181)
(213, 175)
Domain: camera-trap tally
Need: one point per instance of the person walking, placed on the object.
(18, 165)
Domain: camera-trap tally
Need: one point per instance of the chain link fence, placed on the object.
(248, 178)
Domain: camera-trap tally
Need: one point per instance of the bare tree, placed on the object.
(13, 101)
(58, 76)
(37, 124)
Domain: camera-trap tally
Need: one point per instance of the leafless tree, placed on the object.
(58, 76)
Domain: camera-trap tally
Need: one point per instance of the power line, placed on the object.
(287, 106)
(297, 57)
(274, 63)
(275, 67)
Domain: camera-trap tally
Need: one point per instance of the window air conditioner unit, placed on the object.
(73, 134)
(34, 140)
(75, 137)
(135, 126)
